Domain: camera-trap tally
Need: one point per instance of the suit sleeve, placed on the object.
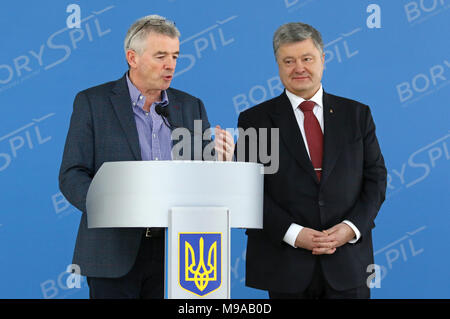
(206, 138)
(363, 213)
(276, 220)
(77, 168)
(203, 116)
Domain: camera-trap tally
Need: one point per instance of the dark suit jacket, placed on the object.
(352, 187)
(103, 129)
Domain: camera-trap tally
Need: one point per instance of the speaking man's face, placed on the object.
(300, 66)
(156, 65)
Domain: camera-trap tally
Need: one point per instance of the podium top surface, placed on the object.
(141, 193)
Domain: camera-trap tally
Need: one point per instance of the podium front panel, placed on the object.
(198, 253)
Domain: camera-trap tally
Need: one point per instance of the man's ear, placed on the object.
(131, 56)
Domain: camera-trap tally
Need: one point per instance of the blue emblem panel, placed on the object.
(200, 262)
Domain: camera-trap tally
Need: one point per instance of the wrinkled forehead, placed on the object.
(156, 42)
(298, 49)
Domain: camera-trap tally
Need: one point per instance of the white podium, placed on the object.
(198, 202)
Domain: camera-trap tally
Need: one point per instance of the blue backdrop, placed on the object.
(394, 57)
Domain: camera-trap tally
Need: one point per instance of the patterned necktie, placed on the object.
(314, 136)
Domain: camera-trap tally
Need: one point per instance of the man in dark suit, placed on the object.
(118, 121)
(320, 205)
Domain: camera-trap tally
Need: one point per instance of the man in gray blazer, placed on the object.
(122, 121)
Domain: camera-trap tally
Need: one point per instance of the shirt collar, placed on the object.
(296, 100)
(138, 99)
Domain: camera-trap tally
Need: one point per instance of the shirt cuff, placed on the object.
(352, 226)
(292, 233)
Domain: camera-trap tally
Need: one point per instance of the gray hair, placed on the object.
(296, 32)
(138, 32)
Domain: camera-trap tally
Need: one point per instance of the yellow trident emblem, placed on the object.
(200, 273)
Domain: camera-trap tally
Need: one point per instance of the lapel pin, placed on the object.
(331, 111)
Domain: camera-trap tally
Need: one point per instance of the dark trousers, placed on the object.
(144, 281)
(320, 289)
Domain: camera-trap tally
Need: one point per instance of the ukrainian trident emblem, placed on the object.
(200, 270)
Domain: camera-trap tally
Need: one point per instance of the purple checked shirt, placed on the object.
(154, 135)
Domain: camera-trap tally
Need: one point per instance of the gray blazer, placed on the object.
(103, 129)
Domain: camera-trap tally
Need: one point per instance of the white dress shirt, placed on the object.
(295, 229)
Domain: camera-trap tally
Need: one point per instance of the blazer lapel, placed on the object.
(174, 109)
(284, 118)
(121, 102)
(334, 124)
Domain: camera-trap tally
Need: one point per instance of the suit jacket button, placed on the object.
(321, 203)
